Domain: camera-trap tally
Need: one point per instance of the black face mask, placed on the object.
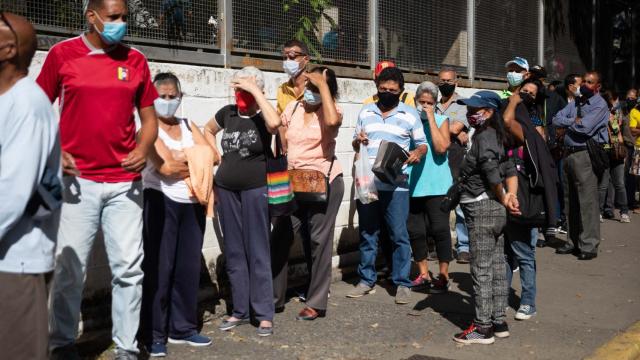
(388, 100)
(527, 99)
(447, 89)
(586, 92)
(631, 103)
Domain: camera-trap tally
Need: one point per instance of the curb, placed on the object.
(624, 346)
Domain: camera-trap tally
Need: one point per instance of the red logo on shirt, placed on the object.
(123, 73)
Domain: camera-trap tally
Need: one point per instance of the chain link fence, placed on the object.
(335, 32)
(164, 22)
(505, 30)
(424, 36)
(420, 36)
(560, 52)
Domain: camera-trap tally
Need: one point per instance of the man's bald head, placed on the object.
(23, 42)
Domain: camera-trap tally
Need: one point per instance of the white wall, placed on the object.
(206, 90)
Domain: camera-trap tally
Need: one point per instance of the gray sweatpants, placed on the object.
(486, 220)
(581, 202)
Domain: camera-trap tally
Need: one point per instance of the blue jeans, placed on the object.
(461, 232)
(117, 207)
(521, 251)
(392, 208)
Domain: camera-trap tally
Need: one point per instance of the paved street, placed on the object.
(581, 305)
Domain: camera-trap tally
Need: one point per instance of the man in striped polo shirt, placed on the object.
(387, 119)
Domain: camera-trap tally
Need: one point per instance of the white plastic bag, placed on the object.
(365, 187)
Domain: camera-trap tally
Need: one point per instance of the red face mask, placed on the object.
(244, 100)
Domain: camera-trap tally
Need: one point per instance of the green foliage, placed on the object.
(305, 27)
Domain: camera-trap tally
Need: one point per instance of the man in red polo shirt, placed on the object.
(99, 83)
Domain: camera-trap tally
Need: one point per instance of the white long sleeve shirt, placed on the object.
(28, 143)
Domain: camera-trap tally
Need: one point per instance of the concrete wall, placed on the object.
(206, 90)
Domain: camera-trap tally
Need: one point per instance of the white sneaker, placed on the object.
(525, 312)
(624, 218)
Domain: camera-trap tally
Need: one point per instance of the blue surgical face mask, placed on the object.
(166, 108)
(312, 98)
(515, 78)
(113, 32)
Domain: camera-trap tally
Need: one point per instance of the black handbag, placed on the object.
(599, 157)
(531, 199)
(389, 162)
(452, 197)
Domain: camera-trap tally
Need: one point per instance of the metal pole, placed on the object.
(633, 46)
(226, 30)
(374, 34)
(541, 32)
(593, 34)
(471, 40)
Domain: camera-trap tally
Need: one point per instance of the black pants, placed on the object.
(426, 218)
(315, 223)
(173, 233)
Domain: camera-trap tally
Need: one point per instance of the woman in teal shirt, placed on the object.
(429, 181)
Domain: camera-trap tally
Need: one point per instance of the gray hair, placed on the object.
(250, 71)
(427, 87)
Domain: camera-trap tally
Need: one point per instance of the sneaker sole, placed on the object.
(502, 334)
(178, 341)
(521, 316)
(475, 341)
(352, 296)
(402, 302)
(157, 354)
(265, 334)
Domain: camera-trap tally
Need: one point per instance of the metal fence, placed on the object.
(424, 35)
(337, 32)
(505, 29)
(476, 37)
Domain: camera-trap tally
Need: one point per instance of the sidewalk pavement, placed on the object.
(581, 305)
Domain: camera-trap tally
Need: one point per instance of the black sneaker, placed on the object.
(501, 330)
(439, 285)
(475, 335)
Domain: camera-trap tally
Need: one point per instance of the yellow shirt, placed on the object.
(286, 94)
(406, 97)
(634, 122)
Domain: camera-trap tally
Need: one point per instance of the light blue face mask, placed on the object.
(312, 98)
(113, 32)
(515, 78)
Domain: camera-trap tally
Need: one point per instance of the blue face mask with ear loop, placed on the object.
(311, 97)
(113, 32)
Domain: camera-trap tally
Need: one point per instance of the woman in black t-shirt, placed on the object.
(241, 187)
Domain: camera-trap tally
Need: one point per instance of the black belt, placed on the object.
(574, 149)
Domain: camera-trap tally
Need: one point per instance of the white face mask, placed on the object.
(166, 108)
(576, 92)
(291, 67)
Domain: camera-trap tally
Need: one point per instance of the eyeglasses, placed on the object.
(292, 55)
(3, 18)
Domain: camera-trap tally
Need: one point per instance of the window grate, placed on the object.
(337, 32)
(424, 36)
